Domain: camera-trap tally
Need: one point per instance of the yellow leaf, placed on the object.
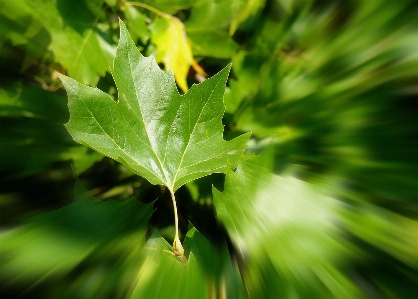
(173, 48)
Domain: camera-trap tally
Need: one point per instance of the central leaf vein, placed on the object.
(142, 117)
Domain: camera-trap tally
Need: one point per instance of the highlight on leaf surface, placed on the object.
(287, 224)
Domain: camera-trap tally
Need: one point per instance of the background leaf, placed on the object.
(207, 27)
(286, 229)
(204, 275)
(76, 41)
(189, 280)
(58, 241)
(137, 24)
(173, 49)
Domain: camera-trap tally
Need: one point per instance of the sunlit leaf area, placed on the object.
(208, 149)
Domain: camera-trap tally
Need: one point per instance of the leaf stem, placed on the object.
(176, 218)
(150, 8)
(177, 247)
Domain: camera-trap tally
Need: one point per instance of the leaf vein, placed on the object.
(190, 136)
(104, 131)
(142, 117)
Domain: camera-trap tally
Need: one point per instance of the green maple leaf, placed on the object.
(167, 138)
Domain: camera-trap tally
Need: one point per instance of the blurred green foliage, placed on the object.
(335, 82)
